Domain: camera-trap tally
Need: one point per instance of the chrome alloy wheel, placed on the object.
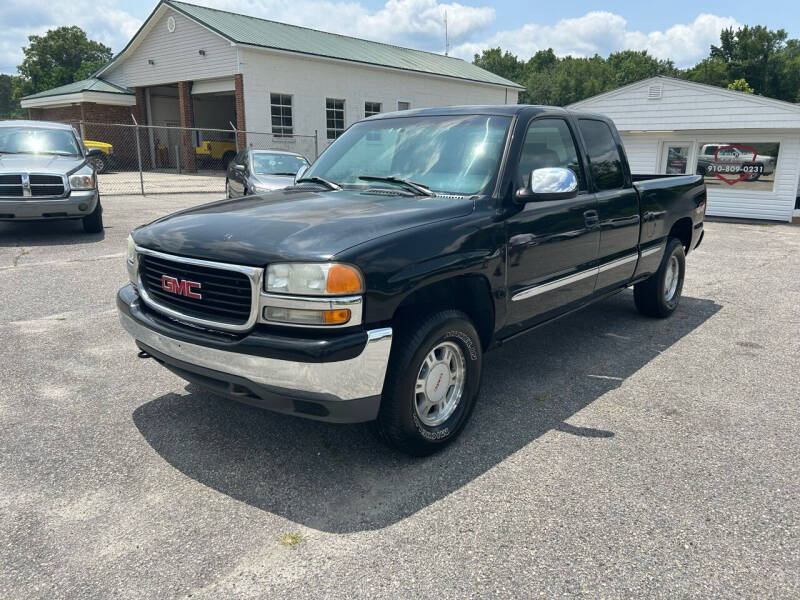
(440, 384)
(671, 276)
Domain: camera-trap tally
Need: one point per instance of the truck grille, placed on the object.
(38, 186)
(226, 296)
(46, 185)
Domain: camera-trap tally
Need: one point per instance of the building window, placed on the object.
(403, 105)
(281, 109)
(371, 108)
(334, 117)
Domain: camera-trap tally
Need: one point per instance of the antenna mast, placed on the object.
(446, 40)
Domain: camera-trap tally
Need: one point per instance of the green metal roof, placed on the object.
(93, 84)
(253, 31)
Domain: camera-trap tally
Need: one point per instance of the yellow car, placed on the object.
(100, 153)
(216, 151)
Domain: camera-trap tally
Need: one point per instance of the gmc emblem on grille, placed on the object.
(181, 287)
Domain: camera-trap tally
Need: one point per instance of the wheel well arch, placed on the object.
(682, 230)
(468, 293)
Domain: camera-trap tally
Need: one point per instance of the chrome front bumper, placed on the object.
(344, 391)
(32, 208)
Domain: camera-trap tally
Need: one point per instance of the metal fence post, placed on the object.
(138, 153)
(235, 135)
(316, 144)
(178, 158)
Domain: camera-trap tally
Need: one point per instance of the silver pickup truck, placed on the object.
(44, 175)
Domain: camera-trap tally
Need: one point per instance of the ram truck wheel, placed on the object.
(431, 383)
(93, 223)
(658, 296)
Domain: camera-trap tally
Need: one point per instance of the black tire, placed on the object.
(100, 164)
(93, 223)
(398, 423)
(227, 158)
(651, 295)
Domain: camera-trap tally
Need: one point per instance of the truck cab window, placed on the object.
(549, 143)
(604, 158)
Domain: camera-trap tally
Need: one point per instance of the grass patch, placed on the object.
(290, 539)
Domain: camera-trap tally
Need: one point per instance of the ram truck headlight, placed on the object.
(314, 279)
(130, 261)
(82, 179)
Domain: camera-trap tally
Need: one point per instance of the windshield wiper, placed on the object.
(328, 184)
(417, 187)
(279, 173)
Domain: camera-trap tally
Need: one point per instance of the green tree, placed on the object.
(60, 56)
(9, 107)
(629, 66)
(741, 85)
(500, 63)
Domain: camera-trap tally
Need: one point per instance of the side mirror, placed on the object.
(300, 172)
(238, 167)
(550, 183)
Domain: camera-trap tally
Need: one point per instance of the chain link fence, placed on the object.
(154, 159)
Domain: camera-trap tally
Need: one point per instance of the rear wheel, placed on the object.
(93, 223)
(431, 384)
(658, 296)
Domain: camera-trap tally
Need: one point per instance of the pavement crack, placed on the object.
(22, 253)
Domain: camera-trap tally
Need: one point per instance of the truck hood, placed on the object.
(292, 224)
(29, 163)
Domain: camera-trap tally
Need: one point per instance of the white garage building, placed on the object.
(747, 146)
(193, 66)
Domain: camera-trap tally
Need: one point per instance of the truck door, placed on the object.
(552, 244)
(617, 204)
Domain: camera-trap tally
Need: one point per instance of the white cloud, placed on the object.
(414, 23)
(604, 32)
(417, 23)
(101, 19)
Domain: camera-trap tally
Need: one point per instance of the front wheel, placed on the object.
(431, 384)
(93, 223)
(658, 296)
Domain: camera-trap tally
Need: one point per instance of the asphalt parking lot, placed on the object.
(609, 455)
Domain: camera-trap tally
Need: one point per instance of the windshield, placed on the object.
(273, 163)
(456, 154)
(35, 140)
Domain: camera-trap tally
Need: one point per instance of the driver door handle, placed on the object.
(591, 218)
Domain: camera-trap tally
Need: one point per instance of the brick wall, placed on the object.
(239, 101)
(186, 111)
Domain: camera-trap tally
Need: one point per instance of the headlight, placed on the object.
(82, 179)
(314, 279)
(130, 261)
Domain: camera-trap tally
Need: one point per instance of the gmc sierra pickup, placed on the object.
(370, 289)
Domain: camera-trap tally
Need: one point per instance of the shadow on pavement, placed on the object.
(46, 233)
(339, 479)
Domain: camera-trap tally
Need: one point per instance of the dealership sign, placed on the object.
(735, 163)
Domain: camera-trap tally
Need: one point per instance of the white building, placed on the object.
(194, 66)
(747, 146)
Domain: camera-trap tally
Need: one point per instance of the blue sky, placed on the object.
(678, 29)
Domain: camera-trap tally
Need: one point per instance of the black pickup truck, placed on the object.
(419, 240)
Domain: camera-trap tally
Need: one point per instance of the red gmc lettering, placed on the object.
(181, 287)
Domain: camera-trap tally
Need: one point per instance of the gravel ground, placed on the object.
(610, 455)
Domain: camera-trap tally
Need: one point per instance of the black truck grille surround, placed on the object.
(11, 186)
(225, 295)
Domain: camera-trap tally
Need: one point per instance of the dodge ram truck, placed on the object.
(45, 174)
(371, 288)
